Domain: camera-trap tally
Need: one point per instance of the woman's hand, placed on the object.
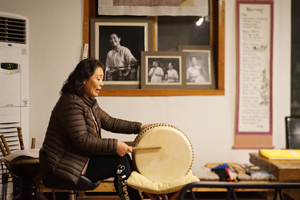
(123, 149)
(145, 126)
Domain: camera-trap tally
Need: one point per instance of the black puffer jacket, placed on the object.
(70, 138)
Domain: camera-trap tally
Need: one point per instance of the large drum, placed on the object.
(163, 165)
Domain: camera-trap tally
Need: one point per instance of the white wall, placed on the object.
(208, 121)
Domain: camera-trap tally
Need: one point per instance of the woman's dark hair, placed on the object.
(117, 34)
(157, 61)
(84, 70)
(172, 63)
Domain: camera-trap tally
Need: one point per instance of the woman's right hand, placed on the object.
(123, 149)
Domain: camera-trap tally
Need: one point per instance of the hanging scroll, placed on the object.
(253, 127)
(153, 7)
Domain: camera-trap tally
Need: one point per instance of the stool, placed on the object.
(54, 182)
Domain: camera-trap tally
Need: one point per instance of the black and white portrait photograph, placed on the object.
(118, 45)
(197, 70)
(199, 66)
(162, 69)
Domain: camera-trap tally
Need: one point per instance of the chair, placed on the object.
(54, 182)
(23, 175)
(6, 171)
(231, 187)
(12, 171)
(292, 130)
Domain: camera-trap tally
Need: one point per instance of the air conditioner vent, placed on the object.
(12, 30)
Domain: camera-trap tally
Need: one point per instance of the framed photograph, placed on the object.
(162, 70)
(117, 43)
(199, 66)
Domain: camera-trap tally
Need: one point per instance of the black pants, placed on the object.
(112, 165)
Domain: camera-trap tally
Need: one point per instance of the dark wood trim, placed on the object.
(221, 45)
(162, 92)
(86, 21)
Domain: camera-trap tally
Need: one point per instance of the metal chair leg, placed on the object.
(228, 193)
(280, 194)
(278, 191)
(275, 194)
(193, 194)
(233, 194)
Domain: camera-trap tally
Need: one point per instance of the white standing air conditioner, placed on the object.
(14, 80)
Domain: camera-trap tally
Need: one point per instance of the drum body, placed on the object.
(163, 165)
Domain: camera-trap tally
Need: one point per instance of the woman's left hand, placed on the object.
(143, 126)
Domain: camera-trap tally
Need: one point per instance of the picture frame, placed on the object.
(203, 76)
(122, 64)
(162, 70)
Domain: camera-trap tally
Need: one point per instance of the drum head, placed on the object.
(167, 164)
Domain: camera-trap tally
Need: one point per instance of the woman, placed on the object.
(172, 74)
(196, 73)
(73, 142)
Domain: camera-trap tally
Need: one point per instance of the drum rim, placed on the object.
(158, 125)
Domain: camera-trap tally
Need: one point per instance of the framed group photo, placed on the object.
(199, 66)
(118, 43)
(162, 70)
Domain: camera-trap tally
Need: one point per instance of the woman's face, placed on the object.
(94, 84)
(114, 40)
(170, 66)
(194, 61)
(154, 64)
